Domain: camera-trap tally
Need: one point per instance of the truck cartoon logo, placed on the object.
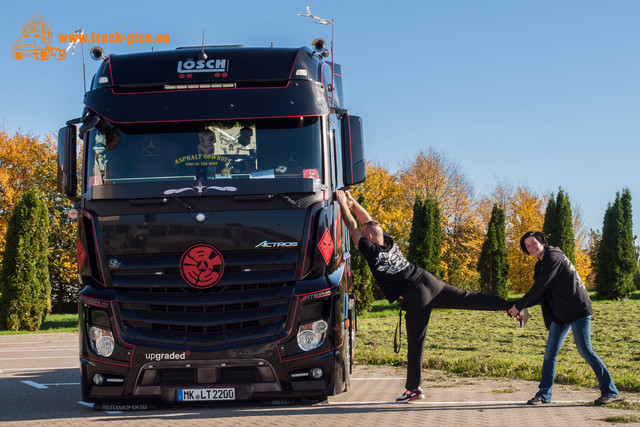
(35, 41)
(201, 266)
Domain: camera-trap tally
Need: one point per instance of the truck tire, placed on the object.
(347, 360)
(349, 346)
(43, 55)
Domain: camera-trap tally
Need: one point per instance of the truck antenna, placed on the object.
(76, 38)
(202, 55)
(333, 28)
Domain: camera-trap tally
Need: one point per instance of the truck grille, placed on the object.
(251, 302)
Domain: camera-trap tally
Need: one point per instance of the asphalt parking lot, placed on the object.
(39, 385)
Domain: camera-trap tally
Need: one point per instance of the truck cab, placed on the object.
(214, 261)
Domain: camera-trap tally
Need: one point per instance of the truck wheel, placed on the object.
(17, 55)
(346, 369)
(349, 346)
(43, 55)
(352, 347)
(353, 327)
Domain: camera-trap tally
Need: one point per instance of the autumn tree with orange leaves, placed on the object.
(524, 211)
(27, 162)
(433, 174)
(385, 203)
(527, 213)
(522, 206)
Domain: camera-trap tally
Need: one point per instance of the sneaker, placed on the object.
(603, 400)
(410, 396)
(535, 400)
(523, 317)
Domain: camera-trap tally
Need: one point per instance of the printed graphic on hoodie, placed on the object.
(391, 262)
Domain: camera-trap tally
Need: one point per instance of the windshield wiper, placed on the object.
(284, 197)
(289, 200)
(136, 202)
(184, 204)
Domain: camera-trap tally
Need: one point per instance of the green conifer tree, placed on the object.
(564, 217)
(558, 224)
(433, 236)
(425, 239)
(417, 252)
(550, 220)
(24, 279)
(492, 263)
(616, 254)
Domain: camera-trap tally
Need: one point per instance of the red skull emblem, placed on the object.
(201, 266)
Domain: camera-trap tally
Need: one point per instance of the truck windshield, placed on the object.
(205, 151)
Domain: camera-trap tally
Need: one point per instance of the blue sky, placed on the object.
(541, 93)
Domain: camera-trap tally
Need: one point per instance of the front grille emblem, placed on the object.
(201, 266)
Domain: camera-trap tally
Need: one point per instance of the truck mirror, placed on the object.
(354, 165)
(67, 178)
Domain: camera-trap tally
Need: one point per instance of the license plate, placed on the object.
(201, 394)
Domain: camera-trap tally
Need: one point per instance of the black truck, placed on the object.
(213, 258)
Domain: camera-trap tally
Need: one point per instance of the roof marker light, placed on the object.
(199, 86)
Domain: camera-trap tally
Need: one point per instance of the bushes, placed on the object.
(24, 279)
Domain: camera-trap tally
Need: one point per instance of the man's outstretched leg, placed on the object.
(452, 297)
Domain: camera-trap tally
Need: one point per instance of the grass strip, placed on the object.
(53, 323)
(478, 343)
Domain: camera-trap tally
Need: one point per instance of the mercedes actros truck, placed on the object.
(213, 259)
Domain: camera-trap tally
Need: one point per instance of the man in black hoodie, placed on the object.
(419, 289)
(565, 305)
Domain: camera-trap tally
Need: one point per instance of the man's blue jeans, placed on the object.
(582, 335)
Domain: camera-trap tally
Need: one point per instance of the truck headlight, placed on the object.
(102, 341)
(312, 335)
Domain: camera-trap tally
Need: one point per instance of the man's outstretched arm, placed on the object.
(347, 218)
(361, 213)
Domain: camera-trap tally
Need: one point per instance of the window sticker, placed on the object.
(238, 139)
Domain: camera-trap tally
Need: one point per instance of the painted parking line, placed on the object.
(458, 403)
(71, 342)
(46, 368)
(45, 385)
(58, 347)
(35, 358)
(34, 384)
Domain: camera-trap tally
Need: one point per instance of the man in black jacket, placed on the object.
(565, 305)
(419, 289)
